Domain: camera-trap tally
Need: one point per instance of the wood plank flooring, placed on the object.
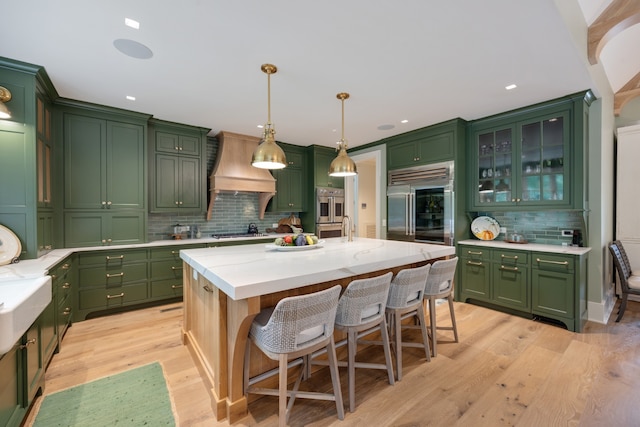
(505, 371)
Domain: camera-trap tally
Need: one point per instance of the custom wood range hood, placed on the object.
(233, 170)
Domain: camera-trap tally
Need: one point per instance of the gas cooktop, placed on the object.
(236, 235)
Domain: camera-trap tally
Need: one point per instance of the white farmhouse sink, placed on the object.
(21, 302)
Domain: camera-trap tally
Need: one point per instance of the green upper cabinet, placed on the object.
(177, 167)
(530, 158)
(320, 159)
(429, 145)
(290, 195)
(26, 179)
(105, 174)
(104, 164)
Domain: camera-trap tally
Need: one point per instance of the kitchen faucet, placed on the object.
(349, 231)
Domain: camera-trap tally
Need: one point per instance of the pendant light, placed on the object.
(342, 165)
(268, 155)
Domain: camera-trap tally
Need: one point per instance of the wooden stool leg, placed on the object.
(432, 321)
(282, 391)
(335, 377)
(453, 317)
(387, 350)
(352, 344)
(425, 336)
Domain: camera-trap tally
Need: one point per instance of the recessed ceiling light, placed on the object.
(511, 86)
(385, 127)
(261, 126)
(404, 121)
(131, 98)
(132, 23)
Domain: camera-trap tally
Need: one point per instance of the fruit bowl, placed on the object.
(274, 247)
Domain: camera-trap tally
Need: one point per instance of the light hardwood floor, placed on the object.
(505, 371)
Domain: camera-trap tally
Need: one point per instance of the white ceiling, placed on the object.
(425, 61)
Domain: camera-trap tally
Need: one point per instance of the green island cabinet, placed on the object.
(548, 285)
(177, 167)
(105, 174)
(26, 185)
(290, 194)
(531, 158)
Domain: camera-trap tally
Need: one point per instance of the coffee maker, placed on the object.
(577, 238)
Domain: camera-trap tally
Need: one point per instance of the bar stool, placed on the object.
(294, 328)
(405, 300)
(361, 312)
(440, 285)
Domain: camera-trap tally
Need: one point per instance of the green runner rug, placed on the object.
(138, 397)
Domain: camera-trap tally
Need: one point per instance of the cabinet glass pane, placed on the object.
(495, 166)
(553, 158)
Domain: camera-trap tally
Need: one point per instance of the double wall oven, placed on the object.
(329, 211)
(420, 204)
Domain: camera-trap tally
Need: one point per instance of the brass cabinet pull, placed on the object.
(207, 288)
(176, 286)
(502, 267)
(28, 343)
(109, 276)
(474, 253)
(552, 262)
(474, 263)
(175, 252)
(66, 266)
(120, 295)
(109, 258)
(508, 257)
(66, 285)
(176, 268)
(67, 311)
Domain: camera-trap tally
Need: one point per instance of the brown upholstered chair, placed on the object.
(629, 283)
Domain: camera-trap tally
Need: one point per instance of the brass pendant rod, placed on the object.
(268, 98)
(342, 96)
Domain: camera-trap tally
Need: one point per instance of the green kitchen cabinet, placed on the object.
(166, 271)
(474, 273)
(104, 228)
(45, 230)
(531, 158)
(110, 279)
(104, 164)
(26, 144)
(559, 288)
(428, 145)
(321, 158)
(510, 279)
(64, 284)
(177, 167)
(290, 195)
(12, 407)
(33, 361)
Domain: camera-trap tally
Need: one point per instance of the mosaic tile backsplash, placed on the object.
(543, 227)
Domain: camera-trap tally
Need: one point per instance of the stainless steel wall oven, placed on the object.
(329, 212)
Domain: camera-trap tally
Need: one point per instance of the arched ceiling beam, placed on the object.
(626, 94)
(617, 17)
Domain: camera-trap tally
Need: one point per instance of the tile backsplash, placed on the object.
(543, 227)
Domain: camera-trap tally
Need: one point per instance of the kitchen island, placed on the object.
(225, 288)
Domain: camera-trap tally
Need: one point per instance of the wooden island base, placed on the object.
(224, 376)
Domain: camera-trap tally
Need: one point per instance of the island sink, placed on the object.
(21, 302)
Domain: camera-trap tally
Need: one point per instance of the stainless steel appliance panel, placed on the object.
(330, 205)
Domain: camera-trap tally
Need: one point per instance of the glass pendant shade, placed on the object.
(342, 165)
(268, 155)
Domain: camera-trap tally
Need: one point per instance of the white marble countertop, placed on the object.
(33, 268)
(252, 270)
(532, 247)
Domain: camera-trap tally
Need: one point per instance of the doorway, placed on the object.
(363, 200)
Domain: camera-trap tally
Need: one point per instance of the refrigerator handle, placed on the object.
(412, 214)
(331, 209)
(406, 214)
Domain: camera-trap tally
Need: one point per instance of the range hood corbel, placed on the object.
(233, 171)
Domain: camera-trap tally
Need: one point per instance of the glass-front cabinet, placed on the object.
(526, 162)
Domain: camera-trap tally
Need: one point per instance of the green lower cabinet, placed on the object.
(33, 361)
(549, 285)
(11, 397)
(112, 297)
(48, 331)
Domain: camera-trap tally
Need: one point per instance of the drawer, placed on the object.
(64, 289)
(60, 271)
(65, 306)
(506, 257)
(166, 270)
(112, 297)
(166, 288)
(172, 252)
(112, 276)
(112, 257)
(475, 254)
(552, 262)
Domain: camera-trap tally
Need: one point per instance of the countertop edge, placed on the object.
(530, 247)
